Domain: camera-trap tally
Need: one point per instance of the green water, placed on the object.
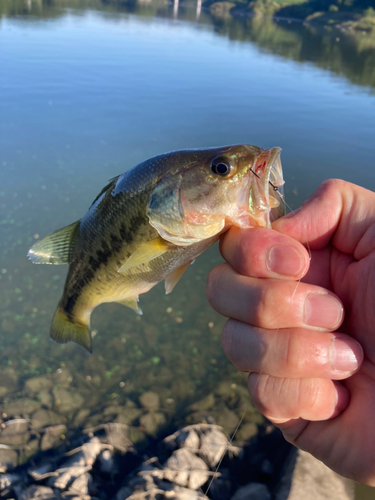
(89, 89)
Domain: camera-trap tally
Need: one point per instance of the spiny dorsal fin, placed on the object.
(132, 302)
(111, 183)
(55, 248)
(174, 277)
(146, 252)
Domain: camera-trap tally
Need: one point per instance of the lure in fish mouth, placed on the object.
(150, 223)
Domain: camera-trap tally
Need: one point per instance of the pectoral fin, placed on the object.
(146, 252)
(132, 302)
(55, 248)
(174, 277)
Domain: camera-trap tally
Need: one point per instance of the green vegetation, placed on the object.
(346, 14)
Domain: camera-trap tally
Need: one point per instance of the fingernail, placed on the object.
(346, 355)
(284, 260)
(322, 310)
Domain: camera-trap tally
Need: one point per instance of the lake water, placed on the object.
(86, 93)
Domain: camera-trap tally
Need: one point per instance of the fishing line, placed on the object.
(223, 455)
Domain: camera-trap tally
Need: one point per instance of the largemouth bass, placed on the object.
(150, 223)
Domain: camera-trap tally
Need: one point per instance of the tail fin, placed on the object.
(65, 329)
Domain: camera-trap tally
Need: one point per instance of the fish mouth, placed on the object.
(266, 194)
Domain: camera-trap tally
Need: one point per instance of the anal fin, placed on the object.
(132, 302)
(146, 252)
(174, 277)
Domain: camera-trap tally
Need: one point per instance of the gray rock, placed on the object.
(188, 439)
(7, 481)
(254, 491)
(81, 485)
(85, 455)
(151, 422)
(35, 385)
(52, 435)
(214, 445)
(35, 492)
(106, 462)
(186, 469)
(117, 436)
(308, 478)
(180, 493)
(149, 400)
(43, 418)
(39, 473)
(16, 432)
(66, 476)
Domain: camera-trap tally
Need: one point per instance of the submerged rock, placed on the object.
(43, 418)
(15, 432)
(151, 422)
(52, 435)
(35, 385)
(8, 458)
(67, 401)
(128, 415)
(21, 407)
(149, 400)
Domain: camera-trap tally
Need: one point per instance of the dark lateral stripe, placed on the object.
(110, 246)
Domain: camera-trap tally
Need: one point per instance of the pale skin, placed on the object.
(310, 345)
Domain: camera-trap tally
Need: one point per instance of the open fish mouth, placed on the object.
(266, 195)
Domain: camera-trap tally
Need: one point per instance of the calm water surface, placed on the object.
(86, 93)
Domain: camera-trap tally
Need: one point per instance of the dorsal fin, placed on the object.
(56, 248)
(111, 183)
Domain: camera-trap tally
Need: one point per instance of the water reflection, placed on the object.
(350, 55)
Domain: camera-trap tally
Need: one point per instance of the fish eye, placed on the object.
(221, 167)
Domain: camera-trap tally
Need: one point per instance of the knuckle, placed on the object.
(227, 338)
(213, 285)
(275, 304)
(291, 359)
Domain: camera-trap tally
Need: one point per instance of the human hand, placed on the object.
(313, 382)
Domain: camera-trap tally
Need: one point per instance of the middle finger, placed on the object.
(272, 303)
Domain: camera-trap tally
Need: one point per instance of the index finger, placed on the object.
(264, 253)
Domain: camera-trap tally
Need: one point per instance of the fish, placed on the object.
(150, 223)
